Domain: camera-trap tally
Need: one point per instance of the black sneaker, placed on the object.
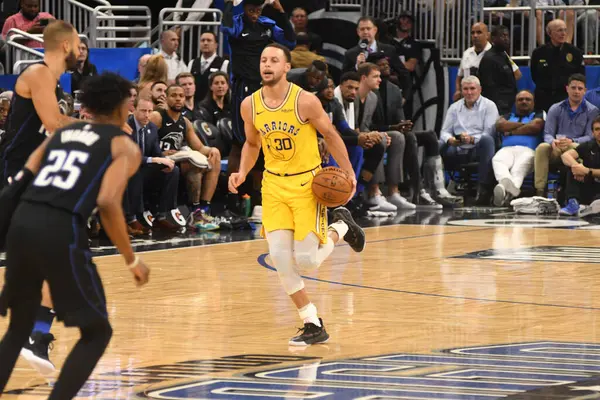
(310, 334)
(355, 236)
(35, 351)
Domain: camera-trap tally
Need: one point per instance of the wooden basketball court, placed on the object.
(214, 318)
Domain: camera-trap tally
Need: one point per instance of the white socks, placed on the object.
(308, 314)
(340, 227)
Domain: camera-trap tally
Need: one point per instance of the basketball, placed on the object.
(332, 186)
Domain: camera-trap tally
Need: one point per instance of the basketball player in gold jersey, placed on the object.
(285, 119)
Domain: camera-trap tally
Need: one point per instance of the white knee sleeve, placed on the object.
(281, 244)
(310, 254)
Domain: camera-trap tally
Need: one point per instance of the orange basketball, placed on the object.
(332, 187)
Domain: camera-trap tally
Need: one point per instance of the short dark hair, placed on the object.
(104, 93)
(173, 86)
(212, 33)
(576, 77)
(158, 83)
(365, 69)
(286, 51)
(182, 75)
(319, 65)
(596, 121)
(498, 30)
(367, 19)
(350, 76)
(302, 39)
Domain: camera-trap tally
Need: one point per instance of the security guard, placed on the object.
(552, 64)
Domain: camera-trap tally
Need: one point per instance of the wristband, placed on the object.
(135, 263)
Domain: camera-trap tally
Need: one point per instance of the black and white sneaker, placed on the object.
(310, 334)
(355, 236)
(35, 352)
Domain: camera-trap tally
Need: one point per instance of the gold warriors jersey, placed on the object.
(289, 144)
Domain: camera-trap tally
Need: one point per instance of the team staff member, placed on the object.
(552, 64)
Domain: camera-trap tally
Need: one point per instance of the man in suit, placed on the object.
(357, 55)
(206, 64)
(156, 171)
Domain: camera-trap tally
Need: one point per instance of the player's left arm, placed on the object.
(196, 144)
(312, 111)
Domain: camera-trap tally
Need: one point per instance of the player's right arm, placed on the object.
(126, 161)
(251, 148)
(38, 84)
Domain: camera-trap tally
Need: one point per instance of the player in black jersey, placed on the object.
(175, 131)
(82, 166)
(35, 114)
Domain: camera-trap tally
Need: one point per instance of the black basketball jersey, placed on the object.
(72, 168)
(24, 130)
(172, 133)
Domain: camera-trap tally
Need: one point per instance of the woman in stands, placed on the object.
(156, 70)
(216, 102)
(84, 67)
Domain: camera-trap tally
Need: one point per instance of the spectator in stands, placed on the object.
(169, 44)
(552, 64)
(187, 82)
(469, 64)
(217, 100)
(407, 47)
(300, 23)
(133, 95)
(84, 67)
(5, 100)
(497, 71)
(583, 179)
(313, 79)
(521, 133)
(29, 20)
(393, 115)
(159, 95)
(156, 70)
(568, 124)
(141, 67)
(357, 55)
(593, 96)
(468, 135)
(206, 64)
(302, 56)
(156, 172)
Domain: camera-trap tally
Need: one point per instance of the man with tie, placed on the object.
(156, 172)
(206, 64)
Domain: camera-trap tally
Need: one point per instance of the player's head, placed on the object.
(253, 10)
(369, 75)
(275, 62)
(175, 98)
(60, 38)
(106, 97)
(349, 84)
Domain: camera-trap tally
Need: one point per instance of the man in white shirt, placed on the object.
(206, 64)
(469, 64)
(169, 43)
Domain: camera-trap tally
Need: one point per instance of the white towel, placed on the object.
(348, 112)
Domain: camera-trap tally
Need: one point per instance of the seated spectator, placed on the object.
(300, 22)
(357, 55)
(133, 95)
(302, 56)
(158, 96)
(174, 131)
(408, 49)
(568, 124)
(169, 44)
(206, 64)
(156, 172)
(218, 99)
(141, 67)
(156, 70)
(84, 67)
(469, 64)
(313, 79)
(468, 136)
(498, 73)
(29, 20)
(187, 82)
(583, 180)
(521, 133)
(5, 101)
(593, 96)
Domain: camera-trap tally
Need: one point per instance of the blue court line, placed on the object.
(262, 260)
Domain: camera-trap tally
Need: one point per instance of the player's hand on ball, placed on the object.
(235, 180)
(140, 273)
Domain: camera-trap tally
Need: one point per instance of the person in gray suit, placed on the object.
(367, 106)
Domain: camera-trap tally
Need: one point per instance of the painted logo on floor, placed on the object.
(567, 254)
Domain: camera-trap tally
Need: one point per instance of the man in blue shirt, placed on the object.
(593, 96)
(568, 124)
(521, 133)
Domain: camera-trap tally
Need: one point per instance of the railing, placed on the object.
(21, 64)
(107, 23)
(345, 5)
(80, 16)
(190, 37)
(59, 8)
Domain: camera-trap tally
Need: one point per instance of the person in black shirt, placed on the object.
(216, 102)
(407, 47)
(583, 182)
(552, 64)
(84, 68)
(81, 167)
(313, 79)
(496, 72)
